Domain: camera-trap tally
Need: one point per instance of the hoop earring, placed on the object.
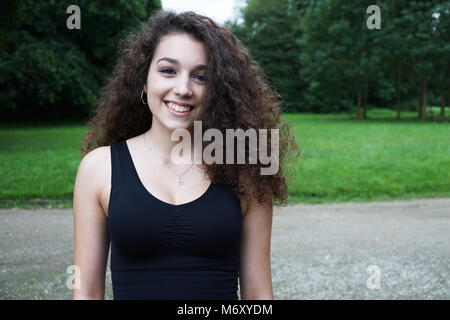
(142, 97)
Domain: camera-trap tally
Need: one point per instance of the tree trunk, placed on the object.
(399, 92)
(419, 109)
(425, 100)
(358, 105)
(422, 100)
(364, 100)
(364, 109)
(443, 98)
(443, 95)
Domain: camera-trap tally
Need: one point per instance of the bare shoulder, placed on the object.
(94, 173)
(251, 205)
(96, 161)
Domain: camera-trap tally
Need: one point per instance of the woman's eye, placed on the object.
(166, 70)
(200, 77)
(171, 71)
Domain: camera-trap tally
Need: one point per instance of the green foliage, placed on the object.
(270, 30)
(48, 71)
(332, 56)
(337, 54)
(10, 18)
(318, 54)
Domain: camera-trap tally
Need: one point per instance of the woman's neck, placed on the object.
(158, 139)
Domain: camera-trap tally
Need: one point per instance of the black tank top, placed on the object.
(165, 251)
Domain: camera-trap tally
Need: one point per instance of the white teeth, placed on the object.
(178, 108)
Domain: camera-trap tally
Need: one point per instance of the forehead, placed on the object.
(182, 47)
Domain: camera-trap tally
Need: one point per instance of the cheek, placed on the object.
(157, 90)
(155, 84)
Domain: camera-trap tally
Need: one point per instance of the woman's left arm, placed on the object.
(255, 278)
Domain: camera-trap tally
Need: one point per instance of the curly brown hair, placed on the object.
(238, 95)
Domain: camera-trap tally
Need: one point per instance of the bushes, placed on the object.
(48, 71)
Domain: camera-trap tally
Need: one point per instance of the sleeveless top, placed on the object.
(165, 251)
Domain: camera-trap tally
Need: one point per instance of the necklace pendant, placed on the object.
(180, 182)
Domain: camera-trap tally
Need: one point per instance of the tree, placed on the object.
(52, 72)
(424, 47)
(340, 57)
(393, 47)
(270, 30)
(442, 51)
(415, 31)
(10, 18)
(338, 49)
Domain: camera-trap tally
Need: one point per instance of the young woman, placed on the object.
(177, 231)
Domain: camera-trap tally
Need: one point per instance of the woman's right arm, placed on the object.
(90, 225)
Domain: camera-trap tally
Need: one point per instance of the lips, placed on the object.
(178, 108)
(179, 104)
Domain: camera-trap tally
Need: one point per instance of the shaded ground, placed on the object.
(318, 251)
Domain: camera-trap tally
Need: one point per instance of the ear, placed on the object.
(145, 89)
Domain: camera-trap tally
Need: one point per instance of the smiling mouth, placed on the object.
(177, 108)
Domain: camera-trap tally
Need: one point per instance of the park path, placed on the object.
(375, 250)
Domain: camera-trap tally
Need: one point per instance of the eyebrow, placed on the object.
(175, 61)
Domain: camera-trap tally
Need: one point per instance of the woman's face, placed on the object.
(176, 82)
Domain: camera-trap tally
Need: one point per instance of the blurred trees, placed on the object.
(48, 71)
(441, 33)
(270, 29)
(331, 61)
(319, 55)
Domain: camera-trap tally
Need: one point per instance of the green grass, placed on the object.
(39, 164)
(380, 159)
(342, 160)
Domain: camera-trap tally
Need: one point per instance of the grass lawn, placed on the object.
(342, 160)
(379, 159)
(39, 163)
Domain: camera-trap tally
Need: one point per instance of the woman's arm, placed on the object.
(90, 225)
(255, 276)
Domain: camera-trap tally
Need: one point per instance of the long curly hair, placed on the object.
(238, 95)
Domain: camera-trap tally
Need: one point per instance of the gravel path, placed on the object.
(377, 250)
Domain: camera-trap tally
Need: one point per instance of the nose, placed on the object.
(182, 87)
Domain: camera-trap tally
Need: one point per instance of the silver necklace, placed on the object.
(180, 176)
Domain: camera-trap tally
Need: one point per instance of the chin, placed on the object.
(173, 126)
